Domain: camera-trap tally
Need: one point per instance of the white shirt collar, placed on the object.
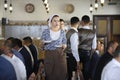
(13, 57)
(20, 49)
(86, 27)
(8, 56)
(74, 28)
(116, 62)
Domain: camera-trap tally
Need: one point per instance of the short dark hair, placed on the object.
(17, 42)
(110, 44)
(9, 42)
(10, 38)
(74, 20)
(86, 19)
(27, 39)
(117, 51)
(61, 20)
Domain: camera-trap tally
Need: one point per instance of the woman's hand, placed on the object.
(64, 46)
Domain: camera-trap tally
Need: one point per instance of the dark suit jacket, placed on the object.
(28, 61)
(93, 63)
(34, 54)
(104, 59)
(7, 71)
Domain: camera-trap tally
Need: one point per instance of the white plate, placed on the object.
(58, 45)
(47, 41)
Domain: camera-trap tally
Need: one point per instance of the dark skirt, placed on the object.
(55, 65)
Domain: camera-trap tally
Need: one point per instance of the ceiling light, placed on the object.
(91, 8)
(96, 5)
(5, 5)
(10, 8)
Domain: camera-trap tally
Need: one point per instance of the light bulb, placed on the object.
(10, 8)
(102, 1)
(91, 7)
(5, 5)
(47, 5)
(96, 6)
(47, 9)
(45, 1)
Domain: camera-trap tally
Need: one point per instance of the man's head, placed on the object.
(17, 43)
(62, 23)
(74, 21)
(7, 47)
(111, 47)
(10, 40)
(9, 43)
(116, 54)
(85, 20)
(27, 40)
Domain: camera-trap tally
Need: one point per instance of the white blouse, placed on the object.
(54, 35)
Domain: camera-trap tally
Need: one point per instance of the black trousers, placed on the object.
(71, 65)
(85, 60)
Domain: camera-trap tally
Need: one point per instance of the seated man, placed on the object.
(29, 43)
(7, 71)
(112, 70)
(18, 65)
(26, 55)
(104, 59)
(16, 53)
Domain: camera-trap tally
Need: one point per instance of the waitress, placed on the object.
(54, 43)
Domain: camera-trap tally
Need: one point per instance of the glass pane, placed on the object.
(102, 27)
(116, 27)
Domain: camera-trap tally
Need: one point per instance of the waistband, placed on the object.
(57, 49)
(82, 50)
